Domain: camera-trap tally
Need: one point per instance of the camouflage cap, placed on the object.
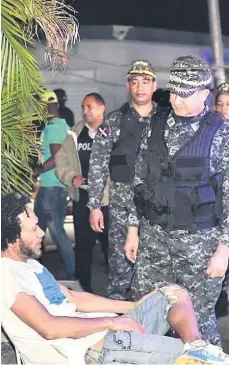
(141, 67)
(223, 88)
(189, 74)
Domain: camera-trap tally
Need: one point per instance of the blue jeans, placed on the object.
(133, 348)
(50, 209)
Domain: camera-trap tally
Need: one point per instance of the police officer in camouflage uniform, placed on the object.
(114, 152)
(222, 106)
(183, 197)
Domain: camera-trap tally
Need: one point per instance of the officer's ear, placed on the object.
(154, 86)
(204, 94)
(128, 86)
(103, 108)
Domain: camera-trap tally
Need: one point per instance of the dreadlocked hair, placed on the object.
(12, 205)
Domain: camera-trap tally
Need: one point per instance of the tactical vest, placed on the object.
(179, 192)
(125, 151)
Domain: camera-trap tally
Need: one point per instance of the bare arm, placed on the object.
(35, 315)
(86, 302)
(51, 327)
(50, 163)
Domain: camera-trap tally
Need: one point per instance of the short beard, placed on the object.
(28, 253)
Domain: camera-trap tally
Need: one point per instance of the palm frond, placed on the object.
(18, 145)
(60, 27)
(21, 80)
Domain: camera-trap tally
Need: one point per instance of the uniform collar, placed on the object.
(192, 121)
(153, 111)
(91, 132)
(195, 125)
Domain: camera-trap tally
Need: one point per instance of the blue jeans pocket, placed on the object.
(122, 340)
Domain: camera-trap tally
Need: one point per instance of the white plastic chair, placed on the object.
(19, 358)
(57, 347)
(75, 285)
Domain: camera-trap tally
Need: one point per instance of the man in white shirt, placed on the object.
(37, 308)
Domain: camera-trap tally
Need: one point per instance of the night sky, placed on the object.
(187, 15)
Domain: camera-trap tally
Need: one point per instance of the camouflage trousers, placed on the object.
(120, 269)
(180, 257)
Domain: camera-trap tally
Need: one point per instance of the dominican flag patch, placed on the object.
(103, 131)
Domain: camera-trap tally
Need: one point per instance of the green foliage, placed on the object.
(22, 82)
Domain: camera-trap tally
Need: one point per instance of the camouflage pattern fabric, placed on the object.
(222, 88)
(120, 269)
(181, 257)
(189, 74)
(141, 67)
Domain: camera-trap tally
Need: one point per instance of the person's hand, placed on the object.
(96, 220)
(38, 170)
(125, 323)
(77, 181)
(34, 178)
(131, 244)
(218, 263)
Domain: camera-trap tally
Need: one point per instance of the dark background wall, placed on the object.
(187, 15)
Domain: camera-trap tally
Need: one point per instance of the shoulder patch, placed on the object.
(103, 131)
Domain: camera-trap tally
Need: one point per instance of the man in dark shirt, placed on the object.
(64, 111)
(72, 165)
